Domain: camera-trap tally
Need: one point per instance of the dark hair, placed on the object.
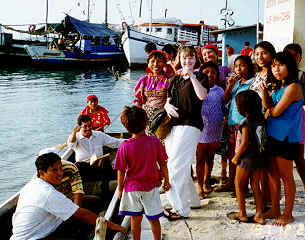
(287, 59)
(293, 46)
(269, 48)
(150, 46)
(82, 119)
(44, 161)
(189, 50)
(249, 105)
(247, 43)
(168, 48)
(266, 46)
(210, 64)
(248, 61)
(134, 119)
(157, 55)
(227, 45)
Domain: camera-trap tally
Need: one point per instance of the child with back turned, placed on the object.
(250, 156)
(140, 161)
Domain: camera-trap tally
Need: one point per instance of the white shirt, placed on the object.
(85, 147)
(40, 210)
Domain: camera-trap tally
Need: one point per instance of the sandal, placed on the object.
(172, 216)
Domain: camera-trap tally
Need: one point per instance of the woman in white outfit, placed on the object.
(186, 92)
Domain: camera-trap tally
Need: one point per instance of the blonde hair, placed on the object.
(189, 51)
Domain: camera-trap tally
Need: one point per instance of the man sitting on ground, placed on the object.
(43, 211)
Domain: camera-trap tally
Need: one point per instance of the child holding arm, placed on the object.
(250, 157)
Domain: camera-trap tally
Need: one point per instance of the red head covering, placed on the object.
(92, 97)
(210, 46)
(158, 51)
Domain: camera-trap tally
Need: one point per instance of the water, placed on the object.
(39, 109)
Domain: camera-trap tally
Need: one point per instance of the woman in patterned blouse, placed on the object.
(151, 89)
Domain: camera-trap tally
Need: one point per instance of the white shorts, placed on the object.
(138, 203)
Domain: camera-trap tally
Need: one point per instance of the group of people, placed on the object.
(254, 108)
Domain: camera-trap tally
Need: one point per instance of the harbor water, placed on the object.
(39, 109)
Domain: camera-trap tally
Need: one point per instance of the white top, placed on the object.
(40, 210)
(85, 147)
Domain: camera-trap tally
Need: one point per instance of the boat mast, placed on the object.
(140, 10)
(88, 11)
(46, 27)
(257, 23)
(150, 23)
(106, 13)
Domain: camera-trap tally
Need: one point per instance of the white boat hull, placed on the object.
(134, 43)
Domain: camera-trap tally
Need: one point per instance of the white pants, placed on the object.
(180, 147)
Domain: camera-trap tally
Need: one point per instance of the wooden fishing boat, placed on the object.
(83, 42)
(8, 207)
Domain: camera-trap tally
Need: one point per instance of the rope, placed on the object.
(189, 229)
(20, 25)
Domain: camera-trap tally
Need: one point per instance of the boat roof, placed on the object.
(173, 22)
(90, 29)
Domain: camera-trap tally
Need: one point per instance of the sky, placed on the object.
(34, 11)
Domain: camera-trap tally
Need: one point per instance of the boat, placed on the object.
(8, 207)
(78, 42)
(162, 31)
(12, 47)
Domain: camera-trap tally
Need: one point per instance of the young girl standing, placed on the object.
(284, 130)
(240, 81)
(139, 161)
(296, 51)
(249, 157)
(187, 90)
(213, 117)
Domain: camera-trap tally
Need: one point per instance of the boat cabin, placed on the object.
(174, 30)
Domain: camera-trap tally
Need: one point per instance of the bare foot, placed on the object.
(237, 216)
(271, 214)
(282, 221)
(259, 220)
